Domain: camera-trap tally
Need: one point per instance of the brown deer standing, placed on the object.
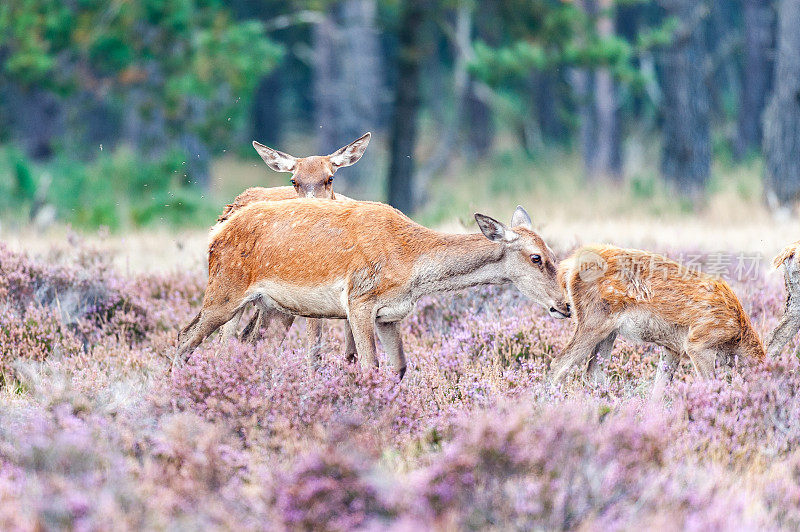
(790, 323)
(648, 298)
(363, 261)
(312, 177)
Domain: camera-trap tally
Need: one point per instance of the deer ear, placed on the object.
(494, 230)
(520, 218)
(277, 160)
(351, 153)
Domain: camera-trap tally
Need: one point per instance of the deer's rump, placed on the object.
(318, 249)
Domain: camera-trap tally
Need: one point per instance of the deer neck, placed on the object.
(458, 262)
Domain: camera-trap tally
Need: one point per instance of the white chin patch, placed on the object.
(558, 315)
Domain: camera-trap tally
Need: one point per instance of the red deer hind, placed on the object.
(363, 261)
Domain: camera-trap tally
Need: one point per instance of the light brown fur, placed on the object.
(311, 177)
(363, 261)
(789, 258)
(786, 253)
(650, 298)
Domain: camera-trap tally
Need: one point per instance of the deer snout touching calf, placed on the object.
(529, 263)
(312, 177)
(363, 261)
(789, 257)
(649, 298)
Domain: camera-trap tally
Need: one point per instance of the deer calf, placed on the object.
(312, 177)
(648, 298)
(789, 257)
(363, 261)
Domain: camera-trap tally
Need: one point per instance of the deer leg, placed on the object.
(667, 364)
(276, 322)
(785, 331)
(703, 346)
(206, 322)
(389, 335)
(229, 329)
(580, 347)
(313, 340)
(362, 324)
(600, 352)
(704, 359)
(284, 322)
(349, 343)
(252, 331)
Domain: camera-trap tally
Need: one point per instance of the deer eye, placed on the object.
(330, 180)
(294, 183)
(536, 259)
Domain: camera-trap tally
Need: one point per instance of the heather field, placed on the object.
(96, 432)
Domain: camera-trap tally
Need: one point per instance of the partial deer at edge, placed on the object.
(789, 258)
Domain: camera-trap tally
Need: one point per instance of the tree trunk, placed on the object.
(480, 126)
(449, 127)
(37, 118)
(759, 30)
(723, 40)
(546, 102)
(583, 87)
(782, 115)
(686, 157)
(267, 115)
(327, 83)
(583, 82)
(479, 129)
(597, 105)
(607, 161)
(362, 96)
(404, 119)
(348, 81)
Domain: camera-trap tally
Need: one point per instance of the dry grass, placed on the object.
(639, 212)
(164, 250)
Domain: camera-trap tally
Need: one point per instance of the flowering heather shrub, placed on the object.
(266, 393)
(328, 491)
(553, 469)
(67, 474)
(90, 299)
(34, 334)
(100, 433)
(745, 419)
(169, 299)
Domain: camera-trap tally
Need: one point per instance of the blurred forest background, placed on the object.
(129, 113)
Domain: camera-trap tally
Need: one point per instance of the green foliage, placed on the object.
(188, 60)
(17, 183)
(25, 187)
(54, 43)
(117, 190)
(644, 186)
(537, 38)
(563, 35)
(541, 36)
(187, 64)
